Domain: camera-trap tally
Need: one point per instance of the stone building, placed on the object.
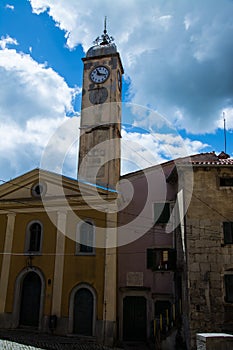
(207, 235)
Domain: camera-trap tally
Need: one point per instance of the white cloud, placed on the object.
(33, 103)
(39, 6)
(11, 7)
(178, 54)
(38, 90)
(226, 114)
(144, 150)
(24, 146)
(7, 40)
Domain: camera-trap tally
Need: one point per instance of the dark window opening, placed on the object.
(228, 232)
(161, 213)
(35, 237)
(161, 259)
(229, 288)
(226, 181)
(86, 237)
(39, 189)
(163, 314)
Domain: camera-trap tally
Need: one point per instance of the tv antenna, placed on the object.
(225, 135)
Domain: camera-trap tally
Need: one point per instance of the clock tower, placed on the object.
(100, 126)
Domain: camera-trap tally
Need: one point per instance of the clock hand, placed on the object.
(99, 73)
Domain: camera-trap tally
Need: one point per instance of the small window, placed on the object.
(226, 181)
(161, 259)
(229, 288)
(85, 238)
(161, 212)
(34, 238)
(39, 190)
(228, 232)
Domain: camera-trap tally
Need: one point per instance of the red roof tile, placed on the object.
(228, 161)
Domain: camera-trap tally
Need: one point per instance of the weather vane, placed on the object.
(105, 39)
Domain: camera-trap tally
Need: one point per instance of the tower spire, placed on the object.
(105, 39)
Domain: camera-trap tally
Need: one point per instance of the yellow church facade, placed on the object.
(50, 279)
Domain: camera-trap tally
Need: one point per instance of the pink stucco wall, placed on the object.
(137, 225)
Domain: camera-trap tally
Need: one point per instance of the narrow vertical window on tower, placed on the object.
(85, 238)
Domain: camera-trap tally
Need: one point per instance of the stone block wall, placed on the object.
(208, 258)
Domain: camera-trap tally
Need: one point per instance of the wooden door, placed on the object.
(83, 312)
(134, 318)
(30, 300)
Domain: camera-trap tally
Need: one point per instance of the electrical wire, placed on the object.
(127, 213)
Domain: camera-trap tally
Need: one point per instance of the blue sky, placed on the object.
(178, 79)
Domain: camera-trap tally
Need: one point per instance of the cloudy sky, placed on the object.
(178, 81)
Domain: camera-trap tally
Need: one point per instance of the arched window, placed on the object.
(85, 238)
(34, 238)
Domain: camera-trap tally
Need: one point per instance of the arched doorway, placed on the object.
(83, 312)
(134, 318)
(30, 300)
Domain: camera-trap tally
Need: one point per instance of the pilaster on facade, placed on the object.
(59, 263)
(6, 260)
(110, 282)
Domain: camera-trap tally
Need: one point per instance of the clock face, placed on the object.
(99, 74)
(98, 96)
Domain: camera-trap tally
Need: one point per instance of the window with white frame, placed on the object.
(85, 238)
(33, 242)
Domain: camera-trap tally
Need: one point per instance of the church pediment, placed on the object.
(38, 186)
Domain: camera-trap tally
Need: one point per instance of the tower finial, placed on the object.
(105, 25)
(105, 39)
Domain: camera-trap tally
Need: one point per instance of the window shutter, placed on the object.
(172, 260)
(229, 288)
(227, 230)
(150, 260)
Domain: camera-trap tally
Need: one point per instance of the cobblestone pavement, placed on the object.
(26, 340)
(9, 345)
